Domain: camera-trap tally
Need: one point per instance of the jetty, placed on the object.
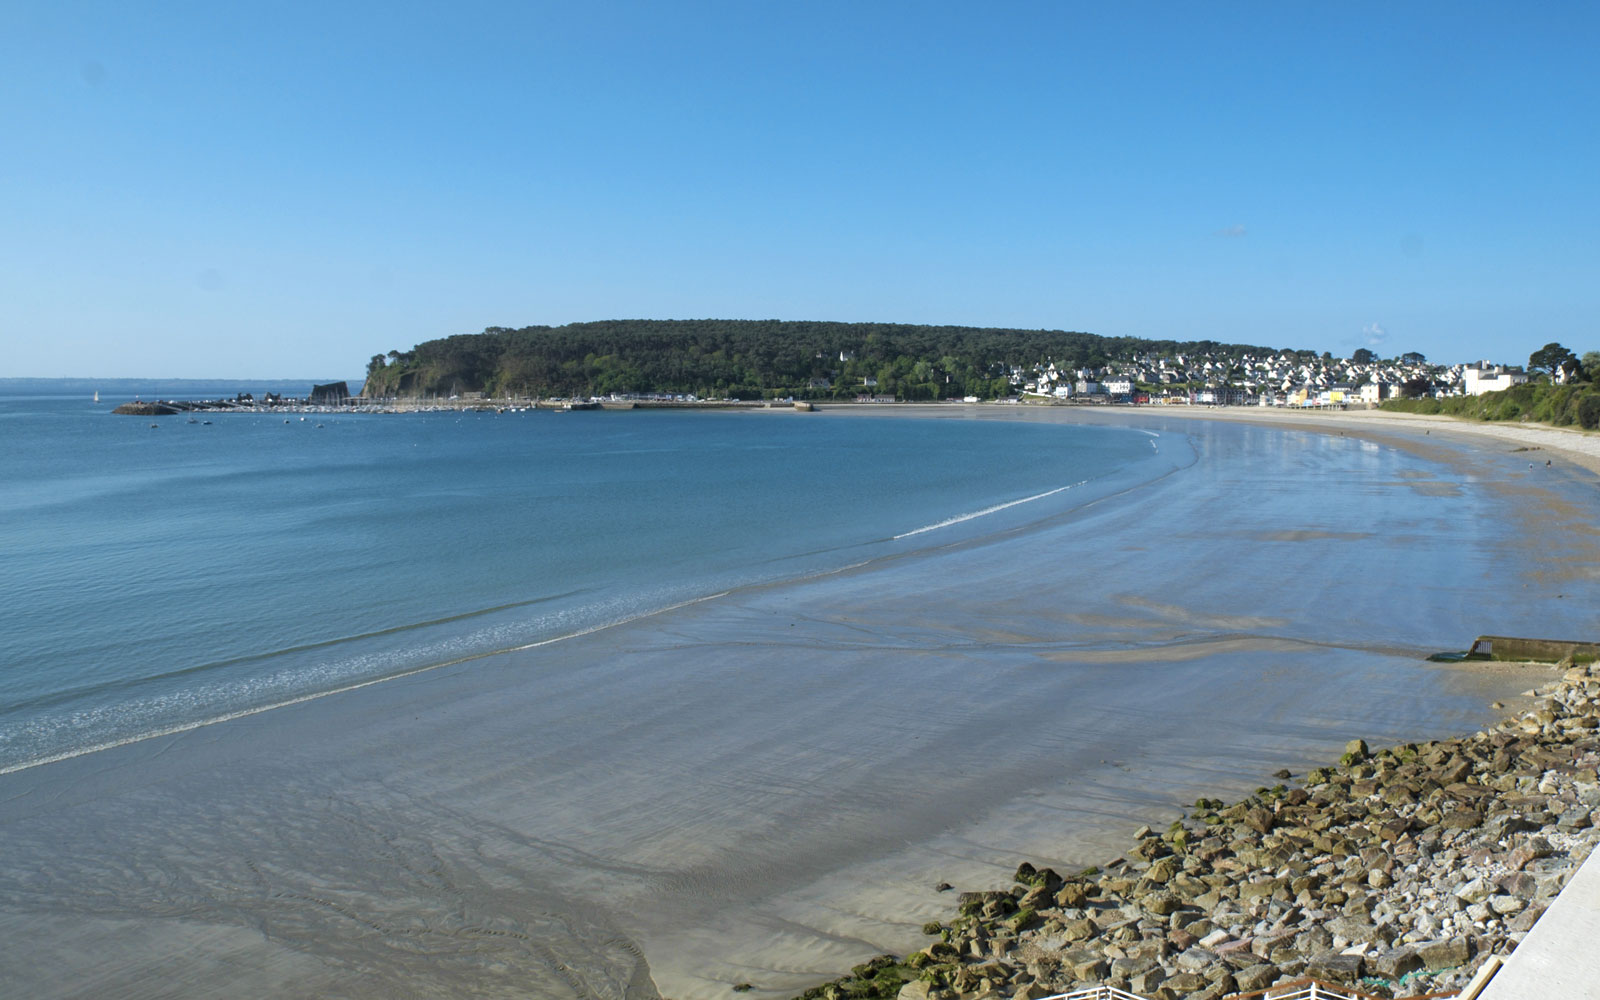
(327, 398)
(342, 402)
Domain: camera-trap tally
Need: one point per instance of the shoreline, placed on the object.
(1580, 447)
(1406, 869)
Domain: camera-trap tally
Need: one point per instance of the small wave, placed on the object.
(71, 693)
(947, 522)
(184, 727)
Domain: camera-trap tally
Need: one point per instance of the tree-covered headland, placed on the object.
(750, 359)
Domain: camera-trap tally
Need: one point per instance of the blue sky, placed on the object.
(283, 190)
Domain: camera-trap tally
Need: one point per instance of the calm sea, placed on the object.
(161, 573)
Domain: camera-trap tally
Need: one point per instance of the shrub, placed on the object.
(1589, 411)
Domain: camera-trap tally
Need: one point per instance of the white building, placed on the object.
(1483, 377)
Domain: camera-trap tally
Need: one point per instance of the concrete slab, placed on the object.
(1559, 959)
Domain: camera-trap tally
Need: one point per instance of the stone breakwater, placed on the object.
(1398, 871)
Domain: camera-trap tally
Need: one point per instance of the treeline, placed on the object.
(1574, 404)
(750, 359)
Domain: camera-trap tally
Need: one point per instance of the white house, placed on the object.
(1483, 377)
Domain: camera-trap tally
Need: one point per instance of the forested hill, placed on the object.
(749, 359)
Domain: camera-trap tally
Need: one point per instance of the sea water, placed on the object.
(159, 573)
(1110, 613)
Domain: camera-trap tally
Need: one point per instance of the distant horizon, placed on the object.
(91, 380)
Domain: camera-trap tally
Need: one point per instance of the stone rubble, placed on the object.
(1397, 872)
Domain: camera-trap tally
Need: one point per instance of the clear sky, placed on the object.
(284, 189)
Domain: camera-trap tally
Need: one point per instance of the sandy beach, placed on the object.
(765, 788)
(1574, 445)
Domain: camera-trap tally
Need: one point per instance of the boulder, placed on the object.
(1336, 968)
(1086, 963)
(1161, 903)
(1185, 983)
(1394, 963)
(1475, 891)
(917, 989)
(1525, 920)
(1352, 929)
(1078, 930)
(1071, 896)
(1576, 818)
(1196, 959)
(1162, 871)
(1448, 953)
(1148, 981)
(1256, 977)
(1461, 819)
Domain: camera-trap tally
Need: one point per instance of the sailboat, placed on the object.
(97, 395)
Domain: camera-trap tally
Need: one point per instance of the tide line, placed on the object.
(947, 522)
(300, 699)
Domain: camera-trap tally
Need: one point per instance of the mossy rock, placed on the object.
(1033, 877)
(870, 969)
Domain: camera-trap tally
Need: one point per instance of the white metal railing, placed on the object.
(1311, 989)
(1305, 989)
(1097, 993)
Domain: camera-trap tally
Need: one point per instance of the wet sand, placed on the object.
(765, 787)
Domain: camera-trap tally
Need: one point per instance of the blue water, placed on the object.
(153, 578)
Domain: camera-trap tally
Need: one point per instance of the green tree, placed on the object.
(1415, 387)
(1362, 356)
(1589, 412)
(1552, 359)
(1591, 365)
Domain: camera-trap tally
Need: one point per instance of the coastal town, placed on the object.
(1283, 379)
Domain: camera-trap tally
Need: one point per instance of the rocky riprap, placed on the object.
(1398, 872)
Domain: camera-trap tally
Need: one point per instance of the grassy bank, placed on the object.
(1558, 405)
